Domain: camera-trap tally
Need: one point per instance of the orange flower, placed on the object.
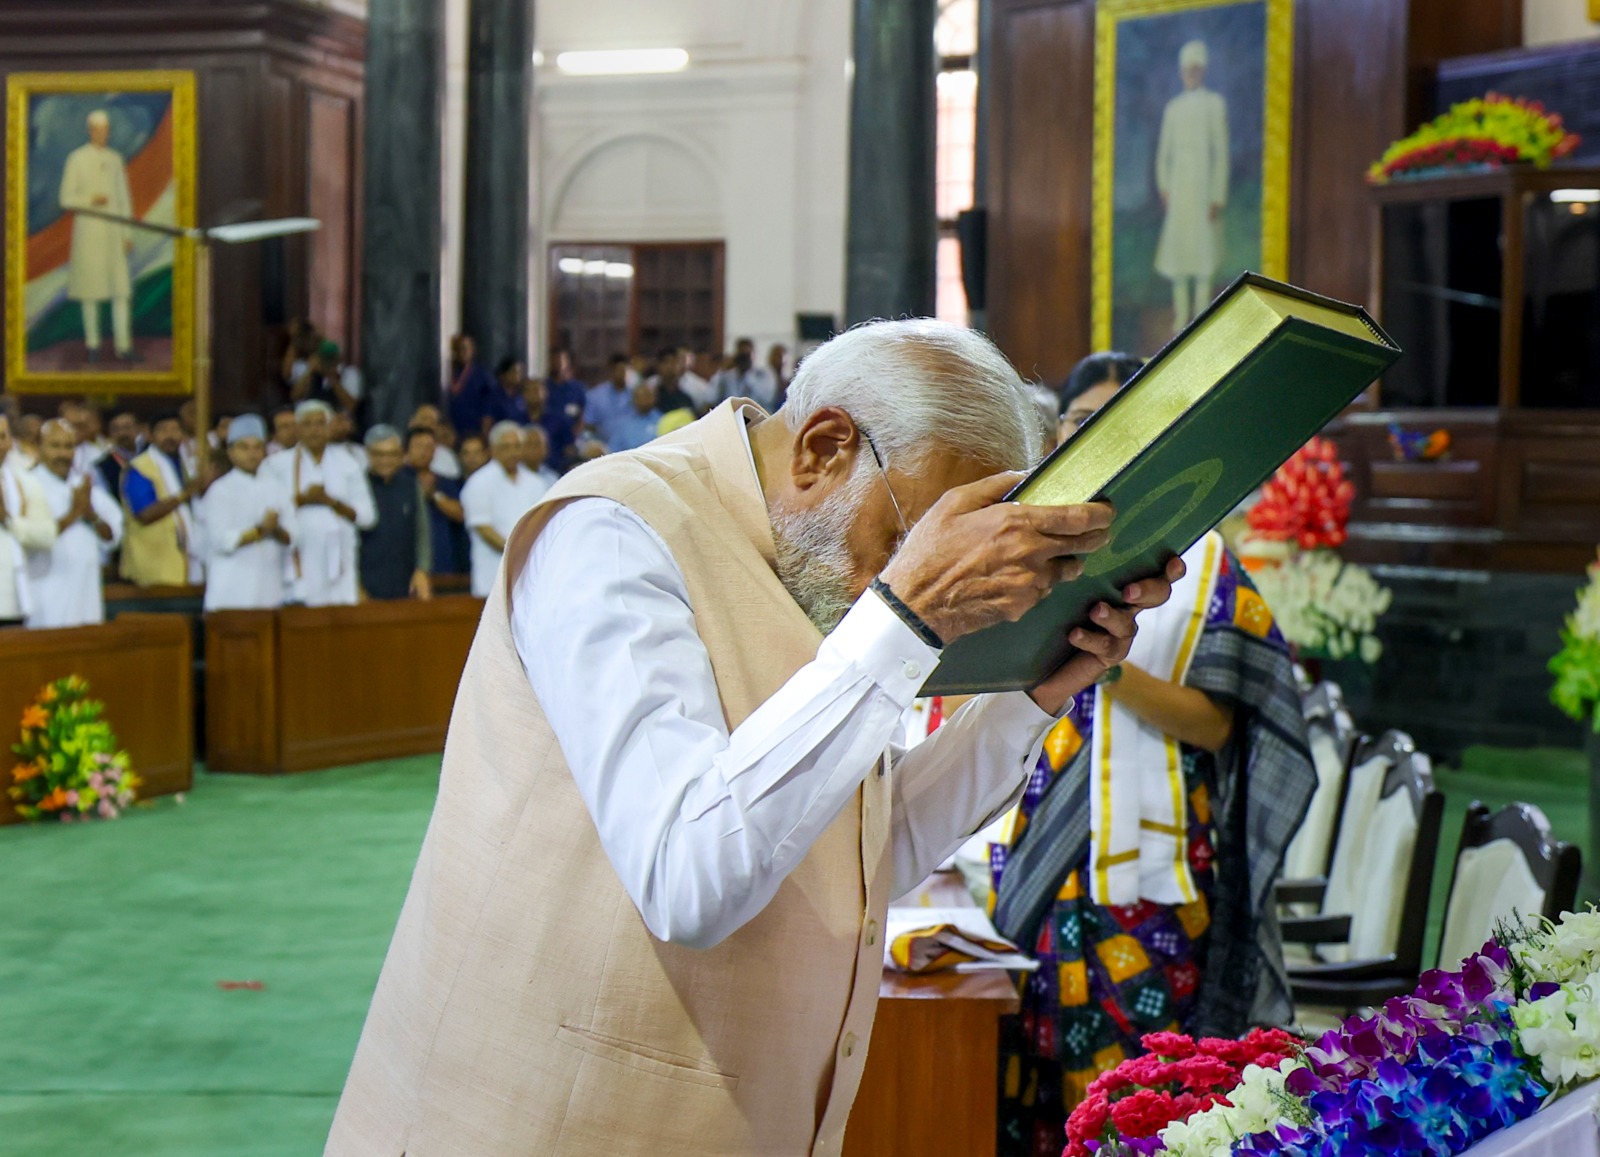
(55, 801)
(35, 717)
(48, 695)
(23, 772)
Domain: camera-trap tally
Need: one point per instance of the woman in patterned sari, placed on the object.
(1140, 865)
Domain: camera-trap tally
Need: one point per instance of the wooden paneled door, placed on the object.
(634, 298)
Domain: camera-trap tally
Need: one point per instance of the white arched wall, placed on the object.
(747, 146)
(762, 110)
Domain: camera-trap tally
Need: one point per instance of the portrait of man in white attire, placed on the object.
(1192, 177)
(95, 177)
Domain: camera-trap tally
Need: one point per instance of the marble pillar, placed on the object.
(893, 230)
(496, 205)
(400, 336)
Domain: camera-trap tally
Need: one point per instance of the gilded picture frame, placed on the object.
(93, 306)
(1191, 177)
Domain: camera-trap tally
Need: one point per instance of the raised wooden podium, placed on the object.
(140, 666)
(303, 688)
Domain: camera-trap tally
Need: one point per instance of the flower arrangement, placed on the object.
(1307, 502)
(1128, 1108)
(1467, 1053)
(1577, 665)
(1326, 608)
(1492, 130)
(68, 763)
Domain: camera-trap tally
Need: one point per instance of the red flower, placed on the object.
(1169, 1044)
(1144, 1114)
(1203, 1073)
(1088, 1120)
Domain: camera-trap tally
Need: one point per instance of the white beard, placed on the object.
(813, 562)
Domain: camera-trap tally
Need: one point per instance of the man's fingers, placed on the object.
(983, 492)
(1067, 521)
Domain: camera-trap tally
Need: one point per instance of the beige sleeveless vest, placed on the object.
(524, 1010)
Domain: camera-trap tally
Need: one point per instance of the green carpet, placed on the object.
(115, 1037)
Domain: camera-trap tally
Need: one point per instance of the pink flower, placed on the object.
(72, 798)
(106, 810)
(1169, 1044)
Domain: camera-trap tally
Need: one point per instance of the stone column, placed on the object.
(400, 336)
(496, 204)
(893, 230)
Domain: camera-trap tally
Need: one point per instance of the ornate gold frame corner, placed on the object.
(20, 87)
(1276, 140)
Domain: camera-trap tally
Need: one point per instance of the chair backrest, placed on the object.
(1508, 865)
(1323, 701)
(1332, 740)
(1388, 895)
(1363, 789)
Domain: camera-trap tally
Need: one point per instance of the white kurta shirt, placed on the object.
(98, 267)
(64, 581)
(1192, 170)
(27, 525)
(326, 546)
(251, 576)
(491, 498)
(702, 825)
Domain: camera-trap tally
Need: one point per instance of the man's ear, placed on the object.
(825, 448)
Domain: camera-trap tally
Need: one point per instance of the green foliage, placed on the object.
(1577, 670)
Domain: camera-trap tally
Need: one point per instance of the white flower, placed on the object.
(1562, 1032)
(1256, 1106)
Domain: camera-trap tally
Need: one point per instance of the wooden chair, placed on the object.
(1373, 913)
(1332, 737)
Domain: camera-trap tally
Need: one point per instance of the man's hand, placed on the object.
(82, 505)
(973, 561)
(313, 496)
(1104, 643)
(421, 586)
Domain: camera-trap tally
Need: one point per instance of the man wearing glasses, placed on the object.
(648, 914)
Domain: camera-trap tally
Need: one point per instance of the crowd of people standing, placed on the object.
(304, 504)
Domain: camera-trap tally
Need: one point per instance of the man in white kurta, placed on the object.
(494, 499)
(1192, 176)
(25, 524)
(250, 521)
(333, 503)
(97, 271)
(64, 581)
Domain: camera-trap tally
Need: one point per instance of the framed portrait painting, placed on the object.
(1191, 159)
(94, 305)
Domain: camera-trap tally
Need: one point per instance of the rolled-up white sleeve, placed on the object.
(702, 825)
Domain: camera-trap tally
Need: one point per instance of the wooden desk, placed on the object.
(140, 666)
(930, 1084)
(311, 687)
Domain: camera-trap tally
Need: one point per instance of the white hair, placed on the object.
(917, 385)
(312, 406)
(501, 429)
(100, 117)
(1194, 54)
(380, 434)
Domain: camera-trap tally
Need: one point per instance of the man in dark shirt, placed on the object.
(472, 388)
(507, 404)
(562, 416)
(124, 433)
(396, 552)
(446, 521)
(669, 394)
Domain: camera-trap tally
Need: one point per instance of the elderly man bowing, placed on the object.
(647, 915)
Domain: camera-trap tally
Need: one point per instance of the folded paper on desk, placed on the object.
(934, 939)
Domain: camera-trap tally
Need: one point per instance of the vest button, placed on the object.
(872, 933)
(912, 670)
(848, 1046)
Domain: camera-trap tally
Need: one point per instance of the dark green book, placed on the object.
(1206, 421)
